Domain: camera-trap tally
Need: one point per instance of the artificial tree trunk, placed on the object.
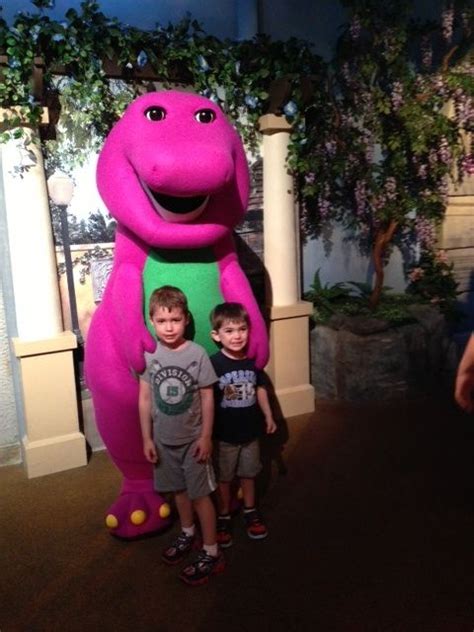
(383, 237)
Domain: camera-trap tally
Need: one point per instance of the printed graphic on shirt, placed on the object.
(238, 389)
(173, 388)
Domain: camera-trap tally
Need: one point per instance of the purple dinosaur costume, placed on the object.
(173, 174)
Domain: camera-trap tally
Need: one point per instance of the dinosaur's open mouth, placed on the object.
(177, 209)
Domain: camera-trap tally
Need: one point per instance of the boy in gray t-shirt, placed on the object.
(176, 405)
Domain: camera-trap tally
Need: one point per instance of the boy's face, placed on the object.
(233, 336)
(169, 325)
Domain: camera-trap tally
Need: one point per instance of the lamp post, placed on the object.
(61, 190)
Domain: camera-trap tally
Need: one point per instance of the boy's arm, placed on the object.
(144, 409)
(264, 403)
(203, 448)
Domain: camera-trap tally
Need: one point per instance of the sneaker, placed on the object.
(178, 549)
(202, 568)
(224, 533)
(256, 528)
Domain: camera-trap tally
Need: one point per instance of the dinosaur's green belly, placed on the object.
(196, 273)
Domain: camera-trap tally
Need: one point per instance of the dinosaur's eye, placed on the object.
(155, 113)
(205, 116)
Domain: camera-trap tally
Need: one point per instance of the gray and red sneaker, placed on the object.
(179, 548)
(205, 565)
(256, 528)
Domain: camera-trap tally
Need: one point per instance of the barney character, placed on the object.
(173, 173)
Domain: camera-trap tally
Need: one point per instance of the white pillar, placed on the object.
(279, 238)
(52, 441)
(33, 260)
(289, 363)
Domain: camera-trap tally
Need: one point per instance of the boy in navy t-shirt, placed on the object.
(242, 413)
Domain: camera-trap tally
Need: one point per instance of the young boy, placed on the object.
(176, 405)
(240, 401)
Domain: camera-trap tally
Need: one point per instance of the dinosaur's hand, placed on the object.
(258, 346)
(138, 340)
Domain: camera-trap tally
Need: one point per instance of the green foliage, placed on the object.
(237, 75)
(326, 299)
(432, 281)
(352, 299)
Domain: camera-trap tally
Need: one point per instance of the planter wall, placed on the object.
(352, 362)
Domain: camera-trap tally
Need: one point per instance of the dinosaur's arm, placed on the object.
(235, 287)
(126, 312)
(124, 299)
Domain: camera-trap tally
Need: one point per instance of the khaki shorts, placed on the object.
(177, 470)
(237, 460)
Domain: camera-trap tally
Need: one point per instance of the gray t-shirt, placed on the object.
(175, 378)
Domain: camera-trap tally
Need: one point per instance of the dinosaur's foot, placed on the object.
(138, 511)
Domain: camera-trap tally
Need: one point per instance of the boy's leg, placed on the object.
(210, 560)
(184, 542)
(227, 456)
(248, 492)
(223, 498)
(185, 509)
(248, 467)
(207, 519)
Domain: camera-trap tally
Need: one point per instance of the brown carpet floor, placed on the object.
(371, 518)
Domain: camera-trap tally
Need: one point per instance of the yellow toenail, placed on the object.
(165, 510)
(111, 521)
(138, 517)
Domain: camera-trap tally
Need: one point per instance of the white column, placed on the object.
(279, 238)
(288, 367)
(33, 260)
(52, 441)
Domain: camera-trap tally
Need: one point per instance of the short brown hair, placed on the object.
(170, 297)
(233, 312)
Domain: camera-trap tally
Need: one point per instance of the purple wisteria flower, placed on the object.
(331, 147)
(463, 108)
(369, 146)
(324, 205)
(426, 52)
(360, 194)
(447, 20)
(444, 151)
(397, 95)
(443, 189)
(425, 232)
(467, 164)
(355, 28)
(390, 188)
(423, 171)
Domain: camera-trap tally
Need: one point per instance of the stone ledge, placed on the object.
(399, 363)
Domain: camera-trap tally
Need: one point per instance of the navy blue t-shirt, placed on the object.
(238, 417)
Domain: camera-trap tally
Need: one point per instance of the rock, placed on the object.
(391, 364)
(361, 325)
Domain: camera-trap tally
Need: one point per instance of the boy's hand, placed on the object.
(150, 451)
(203, 449)
(270, 424)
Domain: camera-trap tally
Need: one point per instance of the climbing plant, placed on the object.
(379, 158)
(373, 146)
